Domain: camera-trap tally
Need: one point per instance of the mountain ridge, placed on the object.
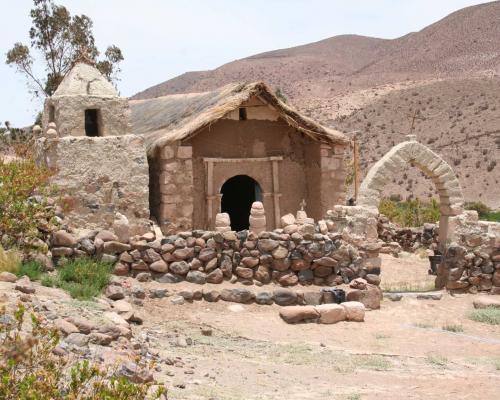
(335, 79)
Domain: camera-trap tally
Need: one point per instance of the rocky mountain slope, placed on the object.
(448, 73)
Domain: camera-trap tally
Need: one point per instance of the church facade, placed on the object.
(181, 159)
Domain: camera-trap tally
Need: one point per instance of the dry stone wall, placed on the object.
(310, 257)
(397, 238)
(472, 257)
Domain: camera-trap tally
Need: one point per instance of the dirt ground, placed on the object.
(406, 350)
(406, 273)
(409, 349)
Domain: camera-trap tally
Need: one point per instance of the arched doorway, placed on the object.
(238, 194)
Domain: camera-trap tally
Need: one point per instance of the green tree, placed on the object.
(62, 40)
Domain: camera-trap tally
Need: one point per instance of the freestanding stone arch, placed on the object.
(431, 164)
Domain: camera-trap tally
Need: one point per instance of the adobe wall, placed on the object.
(99, 177)
(70, 114)
(288, 165)
(300, 171)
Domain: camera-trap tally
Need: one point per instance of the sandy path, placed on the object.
(400, 352)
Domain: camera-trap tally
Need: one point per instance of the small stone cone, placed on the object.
(121, 227)
(301, 217)
(36, 130)
(257, 218)
(222, 222)
(52, 131)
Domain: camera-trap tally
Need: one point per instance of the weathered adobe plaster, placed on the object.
(69, 114)
(84, 88)
(304, 171)
(99, 177)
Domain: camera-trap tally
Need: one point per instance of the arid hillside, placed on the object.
(449, 72)
(459, 119)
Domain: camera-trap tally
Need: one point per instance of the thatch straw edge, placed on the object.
(227, 99)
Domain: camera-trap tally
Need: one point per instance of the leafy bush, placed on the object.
(30, 370)
(9, 261)
(481, 208)
(410, 212)
(32, 269)
(82, 278)
(489, 315)
(20, 213)
(485, 213)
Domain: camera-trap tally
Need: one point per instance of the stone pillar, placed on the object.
(257, 218)
(176, 188)
(443, 232)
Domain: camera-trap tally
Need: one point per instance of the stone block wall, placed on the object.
(472, 256)
(309, 257)
(99, 177)
(397, 238)
(171, 198)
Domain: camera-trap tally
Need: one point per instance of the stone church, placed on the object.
(183, 158)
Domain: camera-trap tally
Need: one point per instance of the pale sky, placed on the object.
(161, 39)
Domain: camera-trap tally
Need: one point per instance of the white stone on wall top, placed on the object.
(257, 218)
(222, 222)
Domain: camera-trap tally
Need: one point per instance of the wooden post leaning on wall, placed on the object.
(355, 149)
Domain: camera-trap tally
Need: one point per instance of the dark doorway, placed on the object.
(238, 194)
(92, 122)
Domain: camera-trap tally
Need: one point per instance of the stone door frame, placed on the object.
(214, 197)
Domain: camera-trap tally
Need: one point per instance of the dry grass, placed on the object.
(489, 315)
(9, 261)
(437, 360)
(453, 328)
(397, 287)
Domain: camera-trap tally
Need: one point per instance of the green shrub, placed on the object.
(489, 315)
(481, 208)
(410, 212)
(9, 261)
(30, 370)
(32, 269)
(83, 278)
(48, 280)
(19, 212)
(484, 212)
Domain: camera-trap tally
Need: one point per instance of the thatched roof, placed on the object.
(176, 117)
